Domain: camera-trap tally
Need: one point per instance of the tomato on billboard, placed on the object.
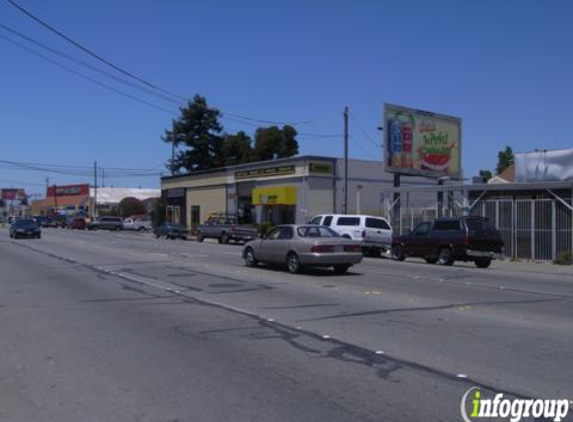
(421, 142)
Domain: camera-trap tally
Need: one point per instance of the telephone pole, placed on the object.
(345, 209)
(94, 212)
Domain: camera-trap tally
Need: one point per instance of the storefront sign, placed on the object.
(421, 142)
(277, 195)
(264, 172)
(321, 168)
(175, 192)
(69, 190)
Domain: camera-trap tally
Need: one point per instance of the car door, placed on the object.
(278, 247)
(418, 242)
(264, 252)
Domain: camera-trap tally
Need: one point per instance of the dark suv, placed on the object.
(106, 223)
(446, 240)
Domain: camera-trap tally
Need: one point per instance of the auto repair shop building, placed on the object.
(287, 190)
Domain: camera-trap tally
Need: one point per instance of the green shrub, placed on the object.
(265, 228)
(564, 258)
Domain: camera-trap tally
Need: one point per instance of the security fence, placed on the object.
(536, 228)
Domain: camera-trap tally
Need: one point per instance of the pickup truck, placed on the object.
(446, 240)
(137, 224)
(226, 228)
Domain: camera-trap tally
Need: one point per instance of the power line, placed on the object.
(87, 65)
(355, 118)
(91, 53)
(89, 78)
(133, 76)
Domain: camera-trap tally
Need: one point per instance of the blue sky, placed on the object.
(504, 67)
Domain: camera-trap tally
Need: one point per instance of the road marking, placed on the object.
(379, 352)
(463, 376)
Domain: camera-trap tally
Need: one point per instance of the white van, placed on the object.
(375, 233)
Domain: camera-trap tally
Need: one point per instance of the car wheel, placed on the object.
(445, 257)
(39, 236)
(200, 237)
(157, 236)
(250, 259)
(482, 262)
(224, 238)
(397, 254)
(141, 229)
(431, 260)
(346, 236)
(341, 269)
(293, 263)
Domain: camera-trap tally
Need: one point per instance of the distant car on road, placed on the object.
(298, 246)
(77, 223)
(446, 240)
(170, 231)
(139, 224)
(25, 227)
(225, 228)
(374, 233)
(106, 223)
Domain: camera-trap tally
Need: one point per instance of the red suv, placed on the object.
(446, 240)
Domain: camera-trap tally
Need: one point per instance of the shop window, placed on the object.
(177, 215)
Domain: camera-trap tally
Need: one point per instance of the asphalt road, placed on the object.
(100, 326)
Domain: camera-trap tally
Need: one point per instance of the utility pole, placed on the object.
(56, 198)
(173, 157)
(103, 178)
(94, 213)
(345, 209)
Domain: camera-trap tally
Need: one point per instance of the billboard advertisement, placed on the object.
(13, 194)
(421, 142)
(68, 190)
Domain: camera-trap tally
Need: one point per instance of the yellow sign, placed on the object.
(277, 195)
(264, 172)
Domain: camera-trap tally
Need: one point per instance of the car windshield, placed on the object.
(309, 231)
(26, 224)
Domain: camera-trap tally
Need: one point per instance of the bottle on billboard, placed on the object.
(394, 142)
(407, 145)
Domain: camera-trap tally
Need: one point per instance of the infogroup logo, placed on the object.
(513, 410)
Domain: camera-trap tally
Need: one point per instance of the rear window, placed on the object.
(475, 224)
(316, 232)
(377, 223)
(348, 221)
(315, 220)
(447, 225)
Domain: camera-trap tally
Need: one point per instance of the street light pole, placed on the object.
(345, 209)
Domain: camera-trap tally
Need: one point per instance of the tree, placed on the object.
(197, 130)
(505, 159)
(272, 142)
(131, 206)
(486, 174)
(158, 214)
(238, 148)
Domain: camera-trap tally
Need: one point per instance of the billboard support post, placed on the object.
(396, 210)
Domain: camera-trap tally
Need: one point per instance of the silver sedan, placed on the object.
(301, 245)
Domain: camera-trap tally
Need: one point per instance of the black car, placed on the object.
(25, 227)
(446, 240)
(106, 223)
(171, 231)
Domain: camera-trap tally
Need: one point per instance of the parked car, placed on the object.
(139, 224)
(375, 233)
(303, 245)
(225, 228)
(171, 231)
(446, 240)
(106, 223)
(77, 223)
(25, 227)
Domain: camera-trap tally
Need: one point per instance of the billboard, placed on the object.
(421, 142)
(13, 194)
(69, 190)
